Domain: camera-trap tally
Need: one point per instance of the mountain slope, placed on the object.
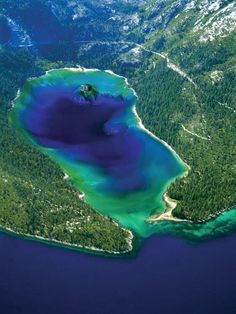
(202, 120)
(180, 58)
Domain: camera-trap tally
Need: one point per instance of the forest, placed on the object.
(197, 121)
(35, 199)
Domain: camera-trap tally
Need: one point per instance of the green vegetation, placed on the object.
(88, 91)
(34, 198)
(198, 122)
(171, 107)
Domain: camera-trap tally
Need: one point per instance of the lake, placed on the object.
(167, 276)
(86, 121)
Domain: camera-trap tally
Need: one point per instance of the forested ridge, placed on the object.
(199, 122)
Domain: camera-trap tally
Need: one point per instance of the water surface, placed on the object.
(86, 121)
(168, 276)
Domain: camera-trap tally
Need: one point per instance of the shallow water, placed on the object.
(85, 120)
(98, 142)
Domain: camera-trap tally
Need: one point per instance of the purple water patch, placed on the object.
(5, 31)
(86, 122)
(89, 129)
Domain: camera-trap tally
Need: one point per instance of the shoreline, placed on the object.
(171, 204)
(142, 127)
(79, 68)
(167, 215)
(67, 245)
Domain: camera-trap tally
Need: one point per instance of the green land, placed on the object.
(197, 120)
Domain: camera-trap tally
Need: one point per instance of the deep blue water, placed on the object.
(167, 276)
(85, 121)
(5, 32)
(40, 22)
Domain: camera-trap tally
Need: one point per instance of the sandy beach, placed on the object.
(167, 215)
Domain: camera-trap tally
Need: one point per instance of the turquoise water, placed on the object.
(97, 140)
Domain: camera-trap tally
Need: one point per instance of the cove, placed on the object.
(86, 121)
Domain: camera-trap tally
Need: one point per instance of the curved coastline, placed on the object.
(166, 216)
(140, 125)
(74, 247)
(171, 204)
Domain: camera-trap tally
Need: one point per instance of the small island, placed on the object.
(90, 128)
(87, 91)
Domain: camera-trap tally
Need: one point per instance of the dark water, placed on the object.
(168, 276)
(5, 32)
(85, 120)
(40, 22)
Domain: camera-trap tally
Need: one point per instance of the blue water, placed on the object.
(85, 121)
(168, 276)
(5, 32)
